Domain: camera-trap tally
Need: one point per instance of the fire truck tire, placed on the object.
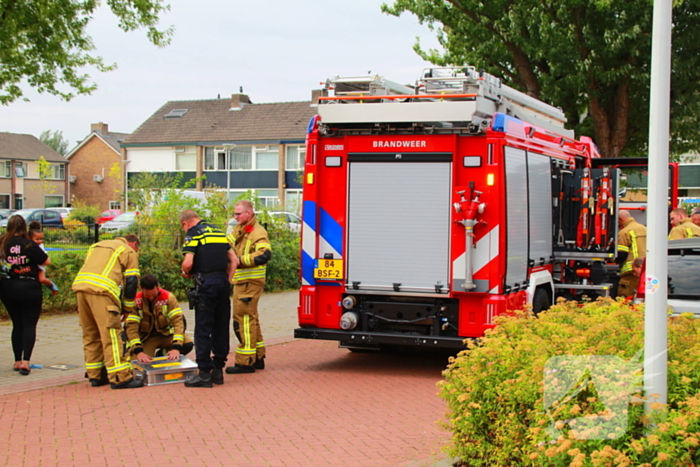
(540, 301)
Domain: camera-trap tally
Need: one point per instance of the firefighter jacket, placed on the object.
(631, 244)
(111, 268)
(686, 229)
(251, 245)
(162, 316)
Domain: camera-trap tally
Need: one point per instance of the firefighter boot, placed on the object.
(101, 381)
(259, 364)
(217, 376)
(201, 380)
(239, 369)
(131, 384)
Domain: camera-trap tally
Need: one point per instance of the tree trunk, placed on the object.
(611, 124)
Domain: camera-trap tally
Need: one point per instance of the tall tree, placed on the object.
(591, 58)
(54, 140)
(45, 43)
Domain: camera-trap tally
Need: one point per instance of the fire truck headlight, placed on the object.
(349, 320)
(349, 302)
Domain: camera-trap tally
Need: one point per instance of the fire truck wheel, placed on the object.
(540, 301)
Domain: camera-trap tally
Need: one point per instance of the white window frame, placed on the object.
(115, 205)
(299, 195)
(62, 198)
(295, 162)
(58, 172)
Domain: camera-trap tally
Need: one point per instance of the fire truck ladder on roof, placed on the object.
(443, 96)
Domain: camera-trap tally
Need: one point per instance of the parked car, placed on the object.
(107, 215)
(290, 220)
(5, 213)
(683, 277)
(47, 217)
(119, 223)
(64, 212)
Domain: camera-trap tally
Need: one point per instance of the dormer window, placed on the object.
(176, 113)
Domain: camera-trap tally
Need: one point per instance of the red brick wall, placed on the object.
(89, 160)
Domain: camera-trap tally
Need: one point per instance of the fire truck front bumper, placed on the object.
(375, 339)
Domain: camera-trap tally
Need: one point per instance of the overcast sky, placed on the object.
(277, 50)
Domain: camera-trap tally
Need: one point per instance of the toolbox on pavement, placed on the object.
(164, 371)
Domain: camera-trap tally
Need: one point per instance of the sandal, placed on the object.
(16, 366)
(24, 370)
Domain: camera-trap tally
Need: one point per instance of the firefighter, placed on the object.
(632, 244)
(695, 216)
(250, 242)
(157, 322)
(683, 227)
(106, 287)
(210, 261)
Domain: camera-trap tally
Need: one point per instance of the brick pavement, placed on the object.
(315, 405)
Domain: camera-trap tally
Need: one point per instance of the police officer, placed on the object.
(683, 227)
(157, 322)
(210, 260)
(631, 244)
(252, 246)
(105, 288)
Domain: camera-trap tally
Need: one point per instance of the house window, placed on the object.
(20, 169)
(115, 205)
(4, 201)
(269, 198)
(7, 172)
(53, 201)
(295, 157)
(267, 157)
(242, 158)
(292, 201)
(56, 172)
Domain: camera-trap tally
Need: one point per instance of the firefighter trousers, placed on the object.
(100, 319)
(246, 323)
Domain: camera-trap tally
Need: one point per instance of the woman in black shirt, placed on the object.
(20, 291)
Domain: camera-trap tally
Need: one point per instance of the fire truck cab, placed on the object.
(429, 210)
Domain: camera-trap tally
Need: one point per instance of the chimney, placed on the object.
(101, 128)
(316, 93)
(239, 100)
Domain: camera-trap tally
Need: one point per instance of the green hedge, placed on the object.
(497, 391)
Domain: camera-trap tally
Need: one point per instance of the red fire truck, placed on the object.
(430, 210)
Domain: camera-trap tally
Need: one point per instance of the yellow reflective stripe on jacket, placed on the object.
(178, 337)
(689, 233)
(113, 259)
(134, 318)
(249, 273)
(131, 272)
(635, 250)
(623, 248)
(94, 365)
(175, 312)
(134, 342)
(100, 281)
(627, 267)
(129, 303)
(246, 256)
(262, 245)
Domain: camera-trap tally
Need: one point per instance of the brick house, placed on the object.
(96, 174)
(21, 182)
(236, 144)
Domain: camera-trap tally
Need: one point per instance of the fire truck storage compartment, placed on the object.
(398, 222)
(529, 213)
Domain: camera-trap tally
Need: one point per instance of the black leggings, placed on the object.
(22, 298)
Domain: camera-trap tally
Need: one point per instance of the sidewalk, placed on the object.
(314, 405)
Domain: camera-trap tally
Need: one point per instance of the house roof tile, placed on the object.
(214, 121)
(26, 148)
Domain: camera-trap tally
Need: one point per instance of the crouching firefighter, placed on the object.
(252, 247)
(105, 288)
(210, 260)
(157, 322)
